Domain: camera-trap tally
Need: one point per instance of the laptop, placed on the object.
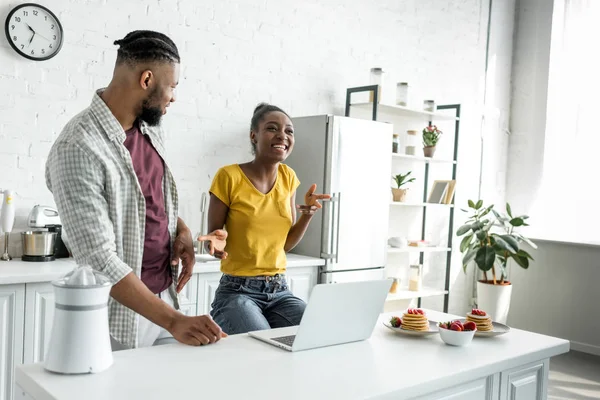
(336, 313)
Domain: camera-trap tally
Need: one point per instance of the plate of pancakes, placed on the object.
(413, 322)
(485, 326)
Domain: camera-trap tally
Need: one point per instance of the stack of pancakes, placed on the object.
(484, 323)
(415, 322)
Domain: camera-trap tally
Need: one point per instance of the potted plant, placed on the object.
(491, 241)
(398, 193)
(431, 135)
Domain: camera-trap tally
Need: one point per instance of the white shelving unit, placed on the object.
(422, 249)
(405, 294)
(401, 111)
(402, 204)
(401, 115)
(427, 160)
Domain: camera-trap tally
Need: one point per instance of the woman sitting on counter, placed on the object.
(256, 203)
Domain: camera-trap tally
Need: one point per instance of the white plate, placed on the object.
(433, 329)
(499, 329)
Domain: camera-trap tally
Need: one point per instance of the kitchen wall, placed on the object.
(299, 55)
(558, 294)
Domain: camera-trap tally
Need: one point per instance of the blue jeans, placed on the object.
(255, 303)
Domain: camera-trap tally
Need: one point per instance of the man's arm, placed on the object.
(77, 183)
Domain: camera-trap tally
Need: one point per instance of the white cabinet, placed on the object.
(301, 280)
(39, 314)
(527, 382)
(12, 305)
(480, 389)
(207, 287)
(188, 296)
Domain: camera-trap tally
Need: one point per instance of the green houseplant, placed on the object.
(490, 241)
(431, 136)
(399, 193)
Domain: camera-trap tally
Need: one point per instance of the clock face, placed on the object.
(34, 32)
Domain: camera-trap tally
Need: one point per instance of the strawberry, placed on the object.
(395, 322)
(470, 326)
(419, 311)
(476, 311)
(445, 325)
(456, 326)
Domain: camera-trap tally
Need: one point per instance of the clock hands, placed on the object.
(35, 33)
(32, 36)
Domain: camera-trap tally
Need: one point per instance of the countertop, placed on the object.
(17, 271)
(388, 365)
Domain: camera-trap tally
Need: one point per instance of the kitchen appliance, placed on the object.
(45, 243)
(80, 339)
(349, 159)
(7, 220)
(203, 215)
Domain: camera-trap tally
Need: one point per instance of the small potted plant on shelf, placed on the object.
(491, 242)
(399, 193)
(431, 135)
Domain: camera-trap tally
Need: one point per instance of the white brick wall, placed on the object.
(236, 53)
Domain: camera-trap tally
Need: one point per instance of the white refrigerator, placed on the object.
(351, 160)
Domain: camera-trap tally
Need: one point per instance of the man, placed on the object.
(118, 201)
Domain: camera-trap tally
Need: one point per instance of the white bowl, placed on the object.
(456, 338)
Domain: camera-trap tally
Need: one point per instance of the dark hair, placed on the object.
(259, 114)
(140, 46)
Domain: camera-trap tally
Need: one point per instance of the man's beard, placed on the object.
(150, 114)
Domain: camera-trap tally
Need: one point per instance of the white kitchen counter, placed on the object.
(386, 366)
(17, 271)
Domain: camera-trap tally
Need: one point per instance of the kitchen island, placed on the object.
(27, 303)
(387, 366)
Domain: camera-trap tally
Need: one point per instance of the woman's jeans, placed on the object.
(255, 303)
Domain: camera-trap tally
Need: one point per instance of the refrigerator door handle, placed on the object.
(327, 240)
(337, 227)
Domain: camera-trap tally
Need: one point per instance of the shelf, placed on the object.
(405, 111)
(427, 160)
(405, 294)
(402, 204)
(411, 249)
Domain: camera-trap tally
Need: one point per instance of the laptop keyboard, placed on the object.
(287, 340)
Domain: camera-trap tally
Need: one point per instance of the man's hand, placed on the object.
(183, 249)
(216, 242)
(196, 331)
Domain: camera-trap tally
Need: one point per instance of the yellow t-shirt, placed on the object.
(257, 224)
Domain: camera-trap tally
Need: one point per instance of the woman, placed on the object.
(255, 202)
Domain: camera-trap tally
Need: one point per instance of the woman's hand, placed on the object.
(311, 201)
(216, 242)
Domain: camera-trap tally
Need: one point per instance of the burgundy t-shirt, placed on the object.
(150, 170)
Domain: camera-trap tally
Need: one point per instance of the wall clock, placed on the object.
(34, 31)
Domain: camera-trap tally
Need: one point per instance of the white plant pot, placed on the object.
(494, 300)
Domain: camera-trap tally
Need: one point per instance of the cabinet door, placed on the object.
(301, 280)
(39, 315)
(207, 287)
(528, 382)
(188, 296)
(481, 389)
(12, 308)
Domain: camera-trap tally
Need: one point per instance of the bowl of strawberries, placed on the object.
(456, 333)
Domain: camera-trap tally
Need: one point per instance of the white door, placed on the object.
(207, 287)
(301, 280)
(361, 168)
(12, 308)
(39, 315)
(525, 383)
(188, 297)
